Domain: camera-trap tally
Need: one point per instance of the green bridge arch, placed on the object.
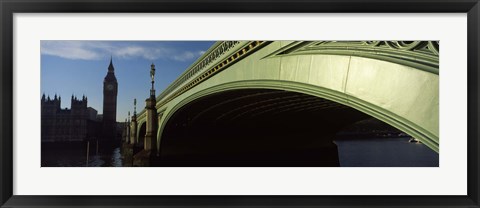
(398, 86)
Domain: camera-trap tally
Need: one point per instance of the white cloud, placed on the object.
(96, 50)
(187, 55)
(68, 50)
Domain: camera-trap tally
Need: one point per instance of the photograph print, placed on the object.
(239, 103)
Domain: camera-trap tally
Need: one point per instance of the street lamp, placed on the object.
(152, 75)
(135, 106)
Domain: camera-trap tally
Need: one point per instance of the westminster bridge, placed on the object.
(277, 101)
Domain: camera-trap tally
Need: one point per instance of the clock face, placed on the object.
(109, 87)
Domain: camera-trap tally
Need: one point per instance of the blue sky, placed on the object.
(79, 67)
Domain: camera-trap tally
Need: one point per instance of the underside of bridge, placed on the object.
(255, 127)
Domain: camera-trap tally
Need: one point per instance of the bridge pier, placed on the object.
(143, 158)
(127, 154)
(126, 129)
(129, 145)
(133, 130)
(150, 136)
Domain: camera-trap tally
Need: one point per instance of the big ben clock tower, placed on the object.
(110, 89)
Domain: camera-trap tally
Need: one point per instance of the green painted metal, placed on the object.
(395, 81)
(422, 55)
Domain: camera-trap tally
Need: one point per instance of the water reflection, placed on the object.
(116, 159)
(75, 155)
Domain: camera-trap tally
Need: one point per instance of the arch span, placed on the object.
(401, 93)
(316, 95)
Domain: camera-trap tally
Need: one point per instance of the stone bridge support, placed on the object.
(151, 134)
(133, 130)
(143, 158)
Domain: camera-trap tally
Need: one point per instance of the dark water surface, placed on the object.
(385, 152)
(368, 152)
(75, 155)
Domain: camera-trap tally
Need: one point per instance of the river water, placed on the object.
(365, 152)
(75, 155)
(385, 152)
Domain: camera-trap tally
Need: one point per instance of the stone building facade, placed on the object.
(78, 123)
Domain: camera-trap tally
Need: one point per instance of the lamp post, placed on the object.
(128, 127)
(133, 124)
(152, 76)
(135, 107)
(151, 111)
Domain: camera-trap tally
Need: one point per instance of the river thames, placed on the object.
(365, 152)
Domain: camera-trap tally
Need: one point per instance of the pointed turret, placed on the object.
(110, 67)
(111, 73)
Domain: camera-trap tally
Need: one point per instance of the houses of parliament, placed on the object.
(80, 122)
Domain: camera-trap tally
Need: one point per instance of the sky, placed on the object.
(79, 67)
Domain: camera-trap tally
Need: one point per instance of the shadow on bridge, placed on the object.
(255, 127)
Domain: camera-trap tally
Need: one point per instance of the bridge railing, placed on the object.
(211, 56)
(217, 57)
(423, 55)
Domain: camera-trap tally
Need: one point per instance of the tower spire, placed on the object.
(110, 67)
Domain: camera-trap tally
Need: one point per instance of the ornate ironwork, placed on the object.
(208, 58)
(422, 55)
(204, 65)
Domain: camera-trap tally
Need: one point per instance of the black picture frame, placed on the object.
(9, 7)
